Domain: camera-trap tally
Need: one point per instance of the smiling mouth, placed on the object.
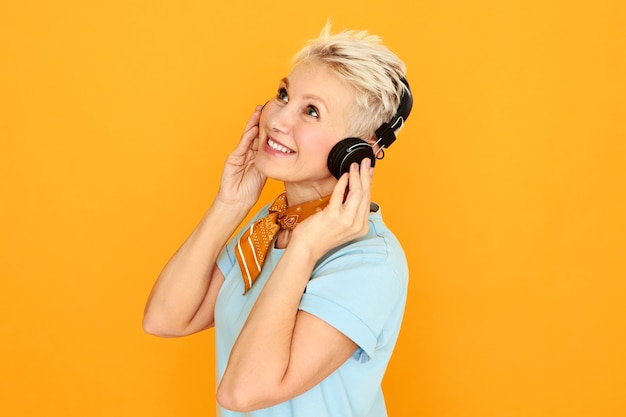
(278, 147)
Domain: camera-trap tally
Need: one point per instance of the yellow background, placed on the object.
(506, 188)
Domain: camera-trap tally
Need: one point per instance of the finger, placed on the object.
(254, 118)
(339, 192)
(255, 144)
(251, 131)
(363, 198)
(355, 195)
(359, 196)
(247, 139)
(367, 173)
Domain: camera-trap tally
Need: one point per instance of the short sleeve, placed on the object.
(355, 290)
(226, 259)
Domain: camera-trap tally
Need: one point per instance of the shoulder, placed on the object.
(379, 248)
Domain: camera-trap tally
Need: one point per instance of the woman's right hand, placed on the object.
(183, 299)
(241, 182)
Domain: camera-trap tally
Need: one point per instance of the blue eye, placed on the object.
(282, 95)
(312, 111)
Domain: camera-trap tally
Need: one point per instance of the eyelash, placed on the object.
(284, 97)
(282, 92)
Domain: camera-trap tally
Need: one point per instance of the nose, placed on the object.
(280, 117)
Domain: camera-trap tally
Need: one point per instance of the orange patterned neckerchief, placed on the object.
(255, 242)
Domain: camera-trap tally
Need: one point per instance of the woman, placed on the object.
(307, 327)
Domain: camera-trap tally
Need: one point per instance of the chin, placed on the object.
(268, 168)
(285, 172)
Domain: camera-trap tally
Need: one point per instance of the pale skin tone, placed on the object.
(288, 141)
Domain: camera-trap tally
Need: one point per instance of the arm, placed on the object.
(182, 300)
(299, 350)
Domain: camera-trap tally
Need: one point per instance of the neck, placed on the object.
(298, 193)
(282, 239)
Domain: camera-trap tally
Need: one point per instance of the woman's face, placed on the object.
(301, 124)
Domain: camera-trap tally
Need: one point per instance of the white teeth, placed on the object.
(278, 147)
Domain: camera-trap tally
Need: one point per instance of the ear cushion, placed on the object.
(347, 151)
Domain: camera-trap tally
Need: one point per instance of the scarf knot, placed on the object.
(252, 247)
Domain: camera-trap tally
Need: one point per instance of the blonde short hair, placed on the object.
(374, 72)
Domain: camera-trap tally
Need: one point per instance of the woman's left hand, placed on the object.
(346, 216)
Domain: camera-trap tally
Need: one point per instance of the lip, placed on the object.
(277, 148)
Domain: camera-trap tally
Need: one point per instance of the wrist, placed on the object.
(230, 210)
(223, 219)
(307, 251)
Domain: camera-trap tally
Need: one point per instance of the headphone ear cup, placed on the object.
(347, 151)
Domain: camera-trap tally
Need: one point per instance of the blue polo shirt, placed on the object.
(359, 288)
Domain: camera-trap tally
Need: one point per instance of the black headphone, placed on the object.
(350, 150)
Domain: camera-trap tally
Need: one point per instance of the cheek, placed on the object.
(317, 141)
(316, 150)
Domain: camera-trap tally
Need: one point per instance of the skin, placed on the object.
(308, 116)
(288, 141)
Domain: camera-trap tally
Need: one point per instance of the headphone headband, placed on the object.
(386, 133)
